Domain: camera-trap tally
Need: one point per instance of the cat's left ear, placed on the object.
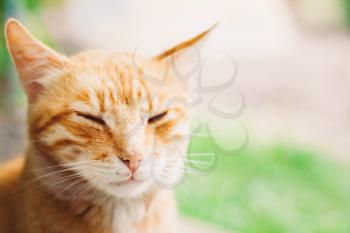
(34, 60)
(186, 54)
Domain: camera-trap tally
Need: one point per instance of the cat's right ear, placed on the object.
(34, 60)
(185, 56)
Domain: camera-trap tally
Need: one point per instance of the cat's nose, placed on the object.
(132, 163)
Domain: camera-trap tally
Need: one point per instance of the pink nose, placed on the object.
(132, 163)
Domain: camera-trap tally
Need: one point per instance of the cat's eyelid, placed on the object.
(91, 117)
(157, 117)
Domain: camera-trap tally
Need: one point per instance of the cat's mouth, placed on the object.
(128, 181)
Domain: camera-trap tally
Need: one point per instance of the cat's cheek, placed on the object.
(97, 181)
(172, 173)
(72, 153)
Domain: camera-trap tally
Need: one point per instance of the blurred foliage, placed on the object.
(280, 189)
(29, 10)
(3, 54)
(9, 8)
(346, 4)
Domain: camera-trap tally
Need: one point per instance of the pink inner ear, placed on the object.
(33, 90)
(33, 64)
(32, 68)
(34, 61)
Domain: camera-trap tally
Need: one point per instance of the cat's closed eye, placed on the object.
(95, 119)
(158, 117)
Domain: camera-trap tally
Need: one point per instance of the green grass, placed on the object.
(279, 189)
(346, 8)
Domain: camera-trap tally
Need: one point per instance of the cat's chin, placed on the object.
(127, 189)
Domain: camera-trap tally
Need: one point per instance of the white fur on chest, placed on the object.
(126, 213)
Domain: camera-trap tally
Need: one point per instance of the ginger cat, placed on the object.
(102, 139)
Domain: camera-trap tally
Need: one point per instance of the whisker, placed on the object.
(69, 186)
(65, 165)
(46, 175)
(199, 135)
(185, 186)
(60, 170)
(186, 170)
(187, 161)
(41, 185)
(201, 154)
(198, 162)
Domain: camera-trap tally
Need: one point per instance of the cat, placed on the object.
(104, 140)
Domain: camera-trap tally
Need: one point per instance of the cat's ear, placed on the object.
(186, 54)
(34, 60)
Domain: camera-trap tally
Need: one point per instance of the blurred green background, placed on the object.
(294, 69)
(276, 189)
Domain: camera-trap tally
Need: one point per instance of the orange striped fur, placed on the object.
(102, 139)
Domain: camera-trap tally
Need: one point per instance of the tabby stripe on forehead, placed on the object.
(130, 91)
(101, 101)
(83, 96)
(89, 133)
(67, 142)
(53, 120)
(111, 97)
(121, 80)
(148, 95)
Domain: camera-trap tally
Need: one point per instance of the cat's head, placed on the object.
(98, 115)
